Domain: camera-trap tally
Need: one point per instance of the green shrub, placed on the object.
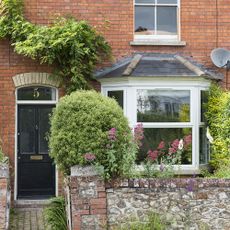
(55, 214)
(222, 172)
(87, 127)
(218, 119)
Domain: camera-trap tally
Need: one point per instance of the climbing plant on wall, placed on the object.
(72, 47)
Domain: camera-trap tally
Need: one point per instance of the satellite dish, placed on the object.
(221, 58)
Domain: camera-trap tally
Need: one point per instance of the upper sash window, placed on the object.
(156, 19)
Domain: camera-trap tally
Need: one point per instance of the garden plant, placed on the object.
(218, 120)
(72, 47)
(88, 128)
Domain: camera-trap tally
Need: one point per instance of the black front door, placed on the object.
(36, 171)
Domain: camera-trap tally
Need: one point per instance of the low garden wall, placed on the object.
(182, 203)
(4, 197)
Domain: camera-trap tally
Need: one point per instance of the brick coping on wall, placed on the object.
(168, 183)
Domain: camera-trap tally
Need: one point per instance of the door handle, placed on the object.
(19, 158)
(36, 127)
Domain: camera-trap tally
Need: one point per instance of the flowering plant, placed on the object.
(170, 153)
(129, 146)
(89, 157)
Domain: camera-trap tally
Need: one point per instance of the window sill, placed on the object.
(157, 43)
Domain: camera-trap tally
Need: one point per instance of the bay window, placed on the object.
(169, 111)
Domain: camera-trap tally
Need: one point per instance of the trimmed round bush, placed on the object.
(88, 128)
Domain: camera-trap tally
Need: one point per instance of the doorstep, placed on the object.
(31, 203)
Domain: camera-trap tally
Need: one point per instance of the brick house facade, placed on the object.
(203, 26)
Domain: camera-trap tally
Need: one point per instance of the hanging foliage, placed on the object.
(72, 47)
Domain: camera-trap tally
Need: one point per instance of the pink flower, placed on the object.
(161, 145)
(152, 155)
(112, 134)
(175, 143)
(138, 134)
(89, 156)
(172, 150)
(188, 139)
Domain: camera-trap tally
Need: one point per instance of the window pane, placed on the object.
(118, 96)
(27, 130)
(166, 20)
(167, 1)
(204, 146)
(163, 106)
(144, 1)
(144, 20)
(170, 137)
(44, 127)
(36, 93)
(204, 100)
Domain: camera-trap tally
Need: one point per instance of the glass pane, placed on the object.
(27, 130)
(204, 146)
(37, 93)
(165, 141)
(166, 20)
(144, 20)
(44, 127)
(144, 1)
(167, 1)
(118, 96)
(204, 100)
(163, 105)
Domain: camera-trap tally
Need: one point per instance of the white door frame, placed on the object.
(25, 102)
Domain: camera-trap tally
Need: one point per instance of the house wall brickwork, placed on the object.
(181, 203)
(204, 25)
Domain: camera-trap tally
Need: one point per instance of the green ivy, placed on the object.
(72, 47)
(218, 119)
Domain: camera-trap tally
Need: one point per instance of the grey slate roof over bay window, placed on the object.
(158, 65)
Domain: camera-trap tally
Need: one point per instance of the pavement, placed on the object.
(27, 218)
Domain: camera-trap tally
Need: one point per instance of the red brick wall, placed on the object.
(200, 28)
(87, 199)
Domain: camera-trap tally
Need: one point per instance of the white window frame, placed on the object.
(155, 36)
(109, 89)
(32, 102)
(202, 125)
(130, 107)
